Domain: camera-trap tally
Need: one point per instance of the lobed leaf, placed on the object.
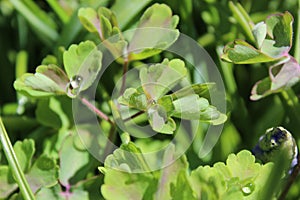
(281, 76)
(240, 178)
(158, 79)
(83, 60)
(273, 40)
(157, 25)
(48, 80)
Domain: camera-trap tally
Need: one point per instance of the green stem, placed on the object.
(14, 164)
(41, 26)
(290, 99)
(297, 45)
(61, 13)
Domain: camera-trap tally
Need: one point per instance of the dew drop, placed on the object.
(74, 85)
(248, 189)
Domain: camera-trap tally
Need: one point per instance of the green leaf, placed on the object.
(134, 99)
(281, 76)
(82, 61)
(159, 119)
(158, 79)
(127, 158)
(24, 151)
(126, 10)
(44, 173)
(89, 19)
(158, 24)
(280, 29)
(50, 193)
(181, 189)
(259, 32)
(105, 24)
(48, 80)
(127, 186)
(69, 160)
(7, 183)
(169, 174)
(240, 52)
(46, 116)
(240, 178)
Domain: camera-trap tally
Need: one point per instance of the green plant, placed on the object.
(57, 154)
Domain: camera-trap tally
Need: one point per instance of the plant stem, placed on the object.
(134, 115)
(59, 11)
(14, 164)
(98, 112)
(290, 181)
(125, 68)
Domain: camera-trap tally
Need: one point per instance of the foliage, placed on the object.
(52, 61)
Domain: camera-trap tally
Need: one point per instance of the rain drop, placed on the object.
(74, 85)
(248, 189)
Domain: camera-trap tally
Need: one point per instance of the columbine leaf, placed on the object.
(281, 76)
(240, 52)
(240, 178)
(44, 173)
(84, 61)
(104, 23)
(259, 32)
(89, 19)
(158, 79)
(69, 157)
(193, 107)
(7, 183)
(159, 120)
(169, 174)
(181, 189)
(24, 152)
(280, 29)
(157, 23)
(134, 99)
(48, 80)
(126, 163)
(127, 158)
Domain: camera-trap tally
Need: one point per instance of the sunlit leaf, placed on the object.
(240, 52)
(159, 119)
(158, 79)
(24, 152)
(83, 60)
(48, 80)
(158, 25)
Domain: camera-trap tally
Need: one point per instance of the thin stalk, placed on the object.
(290, 181)
(111, 137)
(14, 164)
(98, 112)
(125, 69)
(134, 115)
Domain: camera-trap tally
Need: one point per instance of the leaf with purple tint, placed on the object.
(273, 40)
(281, 76)
(48, 80)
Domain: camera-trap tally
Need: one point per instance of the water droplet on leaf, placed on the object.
(248, 189)
(74, 85)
